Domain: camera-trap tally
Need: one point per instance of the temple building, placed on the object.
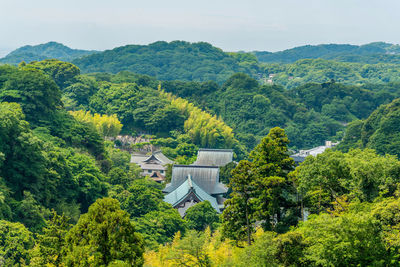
(153, 166)
(191, 184)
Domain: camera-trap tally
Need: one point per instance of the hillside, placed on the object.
(310, 114)
(168, 61)
(64, 189)
(48, 50)
(178, 60)
(339, 52)
(321, 70)
(380, 131)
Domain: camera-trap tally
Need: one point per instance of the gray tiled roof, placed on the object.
(138, 158)
(206, 177)
(214, 157)
(161, 157)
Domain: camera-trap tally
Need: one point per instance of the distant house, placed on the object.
(153, 165)
(191, 184)
(302, 154)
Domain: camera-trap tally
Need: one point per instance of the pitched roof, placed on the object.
(152, 160)
(161, 157)
(189, 186)
(206, 177)
(156, 158)
(138, 158)
(214, 157)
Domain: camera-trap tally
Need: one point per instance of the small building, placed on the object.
(154, 165)
(213, 157)
(191, 184)
(302, 154)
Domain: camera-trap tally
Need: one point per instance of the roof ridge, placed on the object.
(216, 149)
(190, 181)
(195, 166)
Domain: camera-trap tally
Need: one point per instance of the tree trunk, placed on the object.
(248, 225)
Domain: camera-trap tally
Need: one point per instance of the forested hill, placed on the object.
(64, 188)
(340, 52)
(380, 131)
(48, 50)
(309, 114)
(321, 70)
(179, 60)
(169, 61)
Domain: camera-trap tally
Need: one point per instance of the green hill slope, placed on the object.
(48, 50)
(168, 61)
(380, 131)
(321, 70)
(328, 51)
(310, 114)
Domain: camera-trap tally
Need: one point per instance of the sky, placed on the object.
(232, 25)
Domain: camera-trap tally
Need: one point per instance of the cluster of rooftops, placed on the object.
(190, 184)
(302, 154)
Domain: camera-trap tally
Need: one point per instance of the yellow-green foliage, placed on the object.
(204, 129)
(106, 125)
(195, 249)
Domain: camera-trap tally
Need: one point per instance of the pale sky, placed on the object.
(231, 25)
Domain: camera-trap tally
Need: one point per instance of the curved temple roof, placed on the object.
(187, 187)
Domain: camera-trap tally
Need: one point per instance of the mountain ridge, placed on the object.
(47, 50)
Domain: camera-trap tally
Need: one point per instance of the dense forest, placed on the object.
(310, 114)
(70, 196)
(374, 63)
(337, 52)
(321, 70)
(168, 61)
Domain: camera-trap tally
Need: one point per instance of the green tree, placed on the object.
(239, 215)
(201, 216)
(15, 243)
(38, 94)
(24, 162)
(103, 235)
(166, 119)
(31, 213)
(359, 174)
(141, 197)
(225, 172)
(50, 245)
(193, 244)
(63, 73)
(271, 164)
(159, 226)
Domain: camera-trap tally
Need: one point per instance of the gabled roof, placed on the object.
(206, 177)
(156, 158)
(189, 186)
(214, 157)
(152, 160)
(161, 157)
